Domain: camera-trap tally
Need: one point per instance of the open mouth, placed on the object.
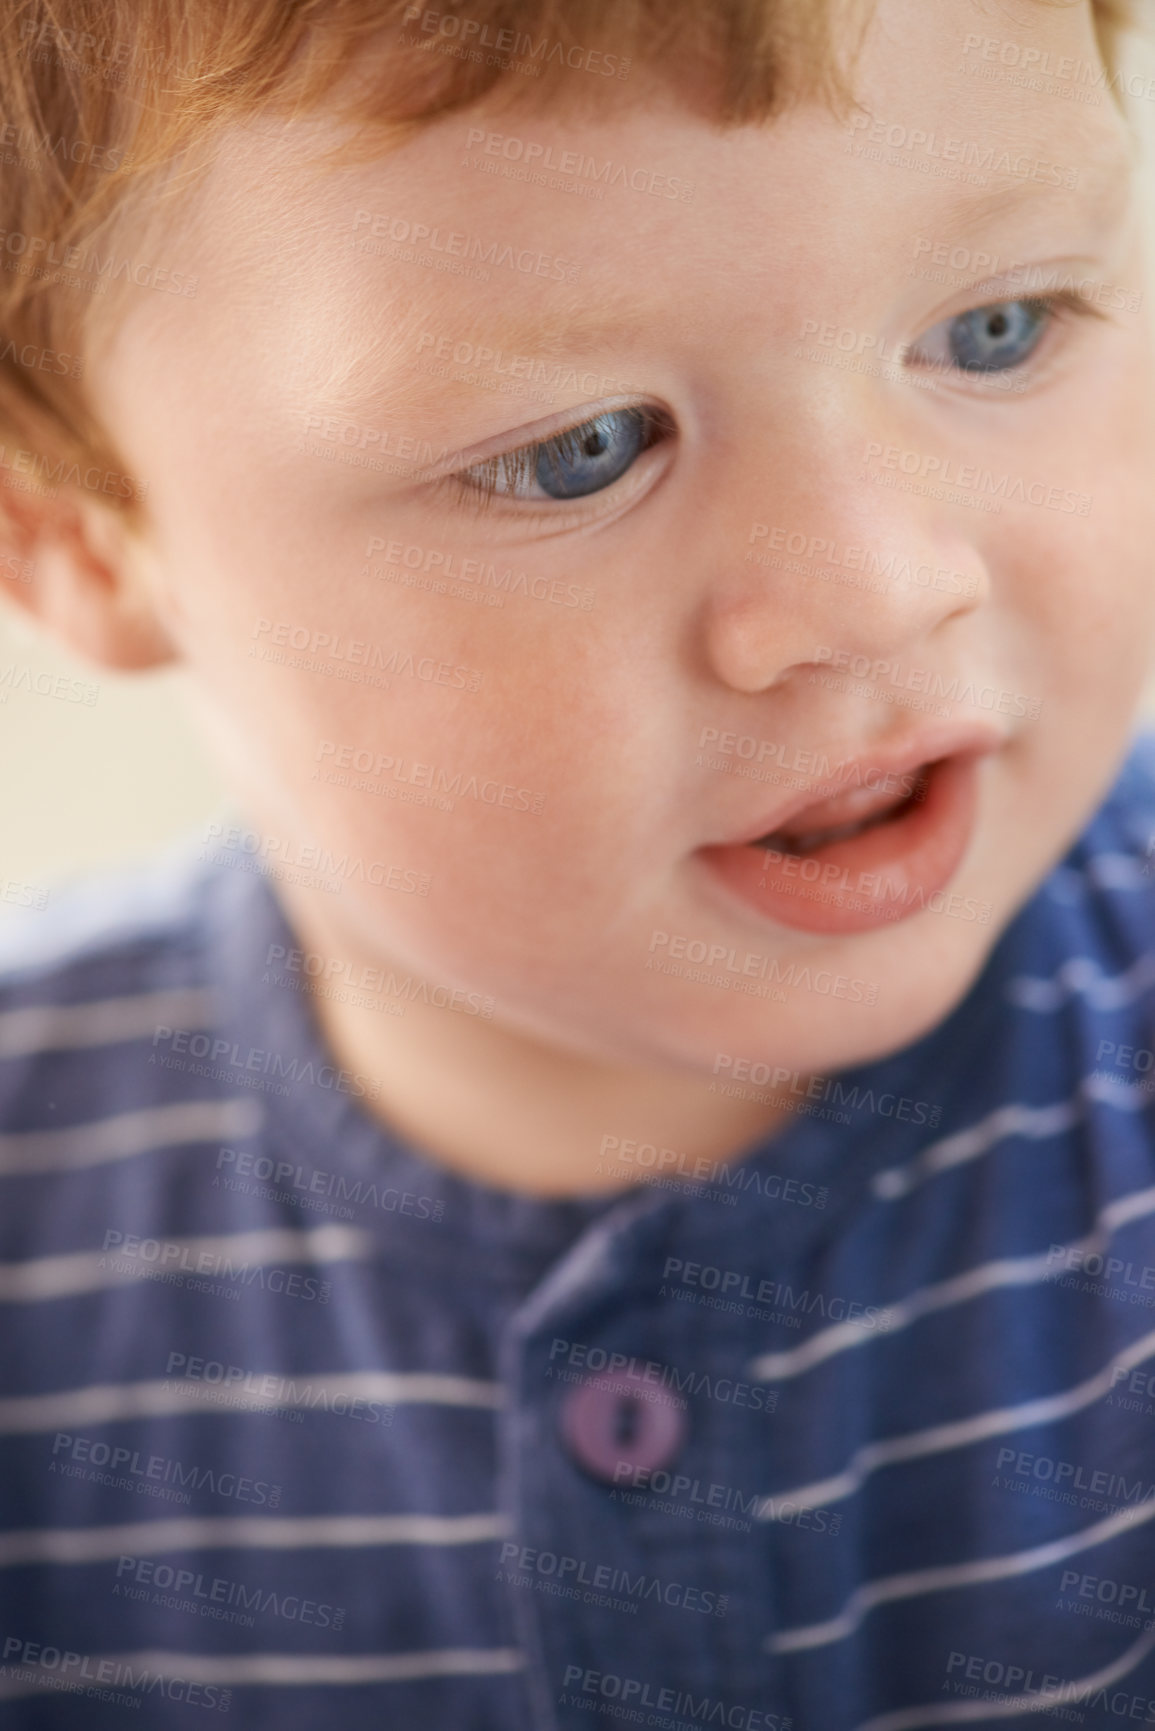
(855, 859)
(844, 816)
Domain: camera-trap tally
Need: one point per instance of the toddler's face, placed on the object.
(835, 563)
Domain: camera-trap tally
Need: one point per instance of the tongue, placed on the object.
(858, 805)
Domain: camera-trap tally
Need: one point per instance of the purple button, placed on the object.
(618, 1418)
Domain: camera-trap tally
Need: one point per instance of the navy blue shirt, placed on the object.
(298, 1428)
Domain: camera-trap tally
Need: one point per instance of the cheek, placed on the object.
(1090, 590)
(502, 751)
(1079, 587)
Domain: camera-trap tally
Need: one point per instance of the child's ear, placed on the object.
(81, 575)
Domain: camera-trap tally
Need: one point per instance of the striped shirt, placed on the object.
(282, 1411)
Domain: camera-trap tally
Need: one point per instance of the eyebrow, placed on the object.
(569, 326)
(560, 330)
(1104, 189)
(556, 334)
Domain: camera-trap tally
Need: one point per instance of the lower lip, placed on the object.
(877, 878)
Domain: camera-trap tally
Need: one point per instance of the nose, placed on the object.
(834, 562)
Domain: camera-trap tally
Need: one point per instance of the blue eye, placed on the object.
(990, 339)
(1004, 335)
(583, 459)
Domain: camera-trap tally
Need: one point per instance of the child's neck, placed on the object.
(504, 1109)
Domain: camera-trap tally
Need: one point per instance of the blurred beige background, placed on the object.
(87, 786)
(90, 786)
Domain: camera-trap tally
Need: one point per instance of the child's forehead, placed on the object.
(913, 63)
(1015, 153)
(803, 190)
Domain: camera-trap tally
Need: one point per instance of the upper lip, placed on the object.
(897, 759)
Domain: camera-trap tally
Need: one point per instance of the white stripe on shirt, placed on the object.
(1117, 871)
(242, 1533)
(291, 1669)
(1083, 975)
(1012, 1706)
(947, 1576)
(960, 1433)
(44, 1277)
(108, 1403)
(127, 1134)
(70, 1027)
(1014, 1119)
(957, 1289)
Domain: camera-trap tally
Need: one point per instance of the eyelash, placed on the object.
(1064, 304)
(516, 466)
